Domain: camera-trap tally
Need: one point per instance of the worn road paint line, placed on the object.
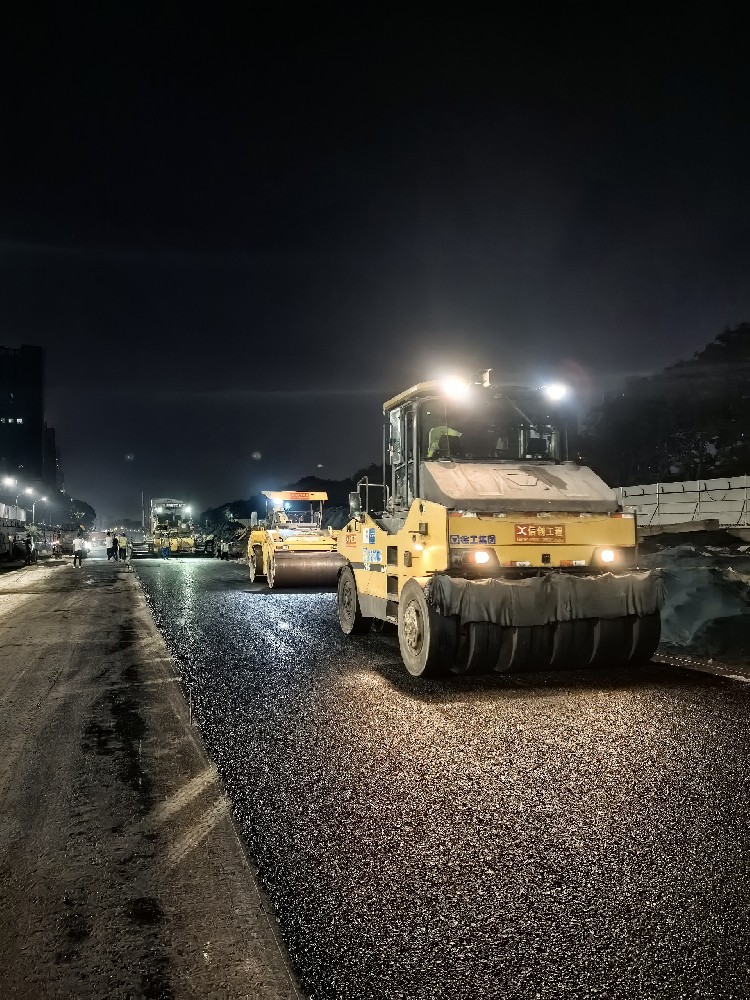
(699, 668)
(197, 832)
(189, 791)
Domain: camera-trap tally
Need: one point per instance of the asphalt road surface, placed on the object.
(548, 836)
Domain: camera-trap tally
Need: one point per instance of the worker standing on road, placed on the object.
(165, 547)
(108, 543)
(28, 549)
(115, 548)
(78, 550)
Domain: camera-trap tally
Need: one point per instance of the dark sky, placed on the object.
(239, 233)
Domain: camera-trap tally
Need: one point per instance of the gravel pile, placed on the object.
(575, 835)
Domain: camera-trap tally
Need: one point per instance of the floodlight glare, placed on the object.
(454, 387)
(8, 481)
(28, 490)
(481, 557)
(556, 391)
(187, 510)
(607, 556)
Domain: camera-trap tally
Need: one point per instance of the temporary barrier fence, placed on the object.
(725, 500)
(11, 513)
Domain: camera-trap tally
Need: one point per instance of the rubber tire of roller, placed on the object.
(428, 640)
(478, 649)
(541, 644)
(646, 636)
(612, 641)
(515, 644)
(573, 644)
(351, 619)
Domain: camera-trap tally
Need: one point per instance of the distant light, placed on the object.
(556, 391)
(256, 456)
(607, 555)
(287, 505)
(188, 509)
(481, 557)
(320, 465)
(454, 387)
(159, 510)
(28, 490)
(8, 481)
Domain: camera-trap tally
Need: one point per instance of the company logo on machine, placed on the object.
(368, 536)
(370, 556)
(351, 540)
(472, 539)
(545, 534)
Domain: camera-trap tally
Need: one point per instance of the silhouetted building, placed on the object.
(27, 446)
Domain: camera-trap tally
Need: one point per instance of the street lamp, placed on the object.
(33, 507)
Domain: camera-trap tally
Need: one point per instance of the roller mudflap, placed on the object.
(304, 569)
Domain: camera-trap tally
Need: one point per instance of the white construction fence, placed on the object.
(11, 513)
(725, 500)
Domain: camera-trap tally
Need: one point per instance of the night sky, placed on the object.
(239, 233)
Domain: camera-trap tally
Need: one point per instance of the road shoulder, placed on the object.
(121, 868)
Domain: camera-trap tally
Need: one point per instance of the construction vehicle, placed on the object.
(172, 525)
(491, 550)
(290, 548)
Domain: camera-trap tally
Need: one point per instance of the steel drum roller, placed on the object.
(305, 569)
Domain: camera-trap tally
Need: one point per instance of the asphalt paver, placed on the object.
(578, 835)
(121, 873)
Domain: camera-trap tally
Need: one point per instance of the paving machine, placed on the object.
(171, 522)
(291, 548)
(490, 550)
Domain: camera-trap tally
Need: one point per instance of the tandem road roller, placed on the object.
(291, 548)
(491, 550)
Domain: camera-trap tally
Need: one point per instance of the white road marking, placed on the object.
(701, 667)
(189, 791)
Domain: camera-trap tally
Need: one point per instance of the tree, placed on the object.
(687, 422)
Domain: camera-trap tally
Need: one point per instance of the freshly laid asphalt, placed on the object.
(574, 835)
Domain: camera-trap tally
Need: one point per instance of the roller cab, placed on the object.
(290, 548)
(487, 548)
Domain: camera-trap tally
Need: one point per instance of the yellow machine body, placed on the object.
(170, 519)
(384, 562)
(291, 548)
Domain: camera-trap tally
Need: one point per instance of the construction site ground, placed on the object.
(121, 872)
